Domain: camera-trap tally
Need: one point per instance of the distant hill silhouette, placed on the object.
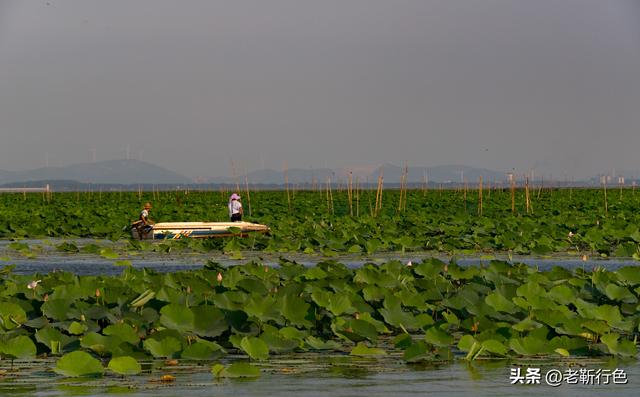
(102, 172)
(391, 173)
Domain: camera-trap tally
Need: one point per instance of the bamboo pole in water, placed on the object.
(513, 192)
(246, 185)
(606, 205)
(286, 184)
(350, 193)
(527, 197)
(480, 196)
(357, 197)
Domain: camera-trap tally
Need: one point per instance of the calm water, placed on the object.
(322, 375)
(45, 258)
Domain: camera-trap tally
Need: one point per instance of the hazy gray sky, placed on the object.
(547, 84)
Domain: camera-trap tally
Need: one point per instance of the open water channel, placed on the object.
(315, 374)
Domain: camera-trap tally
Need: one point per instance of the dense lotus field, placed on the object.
(427, 312)
(558, 220)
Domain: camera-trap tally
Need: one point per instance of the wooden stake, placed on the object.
(480, 196)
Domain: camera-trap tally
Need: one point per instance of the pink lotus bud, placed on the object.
(219, 277)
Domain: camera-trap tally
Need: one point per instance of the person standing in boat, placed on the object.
(235, 208)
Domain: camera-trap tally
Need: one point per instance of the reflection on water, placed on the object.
(319, 375)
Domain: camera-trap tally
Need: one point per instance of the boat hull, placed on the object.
(178, 230)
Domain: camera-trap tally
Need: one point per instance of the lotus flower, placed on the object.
(409, 264)
(33, 284)
(219, 277)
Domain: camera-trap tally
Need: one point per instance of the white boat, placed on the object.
(178, 230)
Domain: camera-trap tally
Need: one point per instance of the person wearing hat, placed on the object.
(144, 224)
(235, 208)
(144, 215)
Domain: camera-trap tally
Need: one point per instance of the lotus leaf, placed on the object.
(165, 347)
(256, 348)
(438, 337)
(78, 364)
(18, 347)
(318, 344)
(122, 331)
(209, 321)
(125, 365)
(202, 350)
(177, 317)
(11, 315)
(363, 350)
(625, 348)
(236, 370)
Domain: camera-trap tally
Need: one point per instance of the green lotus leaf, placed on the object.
(59, 309)
(417, 352)
(618, 293)
(123, 331)
(78, 364)
(608, 313)
(295, 310)
(293, 333)
(562, 294)
(629, 274)
(262, 307)
(177, 317)
(19, 347)
(125, 365)
(143, 298)
(108, 253)
(500, 303)
(202, 350)
(276, 342)
(394, 315)
(38, 322)
(53, 339)
(318, 344)
(209, 321)
(494, 346)
(526, 325)
(577, 345)
(466, 343)
(429, 268)
(625, 348)
(256, 348)
(230, 300)
(437, 337)
(236, 370)
(76, 328)
(530, 345)
(363, 350)
(165, 347)
(11, 315)
(100, 344)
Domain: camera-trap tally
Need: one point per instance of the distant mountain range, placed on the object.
(103, 172)
(391, 174)
(135, 172)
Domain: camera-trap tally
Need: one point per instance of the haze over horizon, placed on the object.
(550, 85)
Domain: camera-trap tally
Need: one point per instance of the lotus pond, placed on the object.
(346, 296)
(384, 326)
(541, 222)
